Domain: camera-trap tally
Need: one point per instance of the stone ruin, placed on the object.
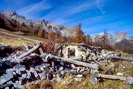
(17, 68)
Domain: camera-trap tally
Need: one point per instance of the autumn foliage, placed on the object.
(79, 36)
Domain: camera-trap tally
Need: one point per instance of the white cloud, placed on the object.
(100, 5)
(81, 7)
(34, 8)
(62, 12)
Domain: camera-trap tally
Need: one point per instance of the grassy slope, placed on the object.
(9, 38)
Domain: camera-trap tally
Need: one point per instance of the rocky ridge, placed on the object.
(44, 24)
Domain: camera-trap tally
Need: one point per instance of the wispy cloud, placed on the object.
(62, 12)
(100, 5)
(34, 8)
(81, 7)
(86, 22)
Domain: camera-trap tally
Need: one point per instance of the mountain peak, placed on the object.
(11, 13)
(44, 24)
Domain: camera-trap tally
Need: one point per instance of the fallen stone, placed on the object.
(18, 72)
(62, 74)
(32, 69)
(42, 75)
(24, 75)
(129, 81)
(42, 67)
(8, 84)
(79, 75)
(11, 70)
(73, 66)
(7, 88)
(61, 69)
(67, 82)
(18, 86)
(3, 86)
(119, 73)
(78, 79)
(58, 79)
(28, 74)
(22, 69)
(18, 66)
(94, 79)
(6, 77)
(73, 72)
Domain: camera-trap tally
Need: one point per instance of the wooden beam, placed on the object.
(74, 61)
(19, 58)
(112, 77)
(25, 45)
(96, 79)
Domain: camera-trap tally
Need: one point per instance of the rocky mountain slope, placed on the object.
(103, 36)
(44, 24)
(119, 36)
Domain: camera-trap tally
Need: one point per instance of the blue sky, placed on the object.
(95, 15)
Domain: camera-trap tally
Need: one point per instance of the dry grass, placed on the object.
(13, 41)
(9, 38)
(44, 84)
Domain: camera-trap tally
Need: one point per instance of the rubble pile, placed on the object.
(33, 65)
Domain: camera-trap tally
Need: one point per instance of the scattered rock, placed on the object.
(58, 79)
(19, 86)
(94, 71)
(94, 79)
(129, 81)
(79, 75)
(6, 77)
(67, 82)
(78, 79)
(42, 75)
(119, 73)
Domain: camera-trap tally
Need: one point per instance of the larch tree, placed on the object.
(79, 35)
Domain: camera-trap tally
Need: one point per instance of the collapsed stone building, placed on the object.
(17, 69)
(80, 51)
